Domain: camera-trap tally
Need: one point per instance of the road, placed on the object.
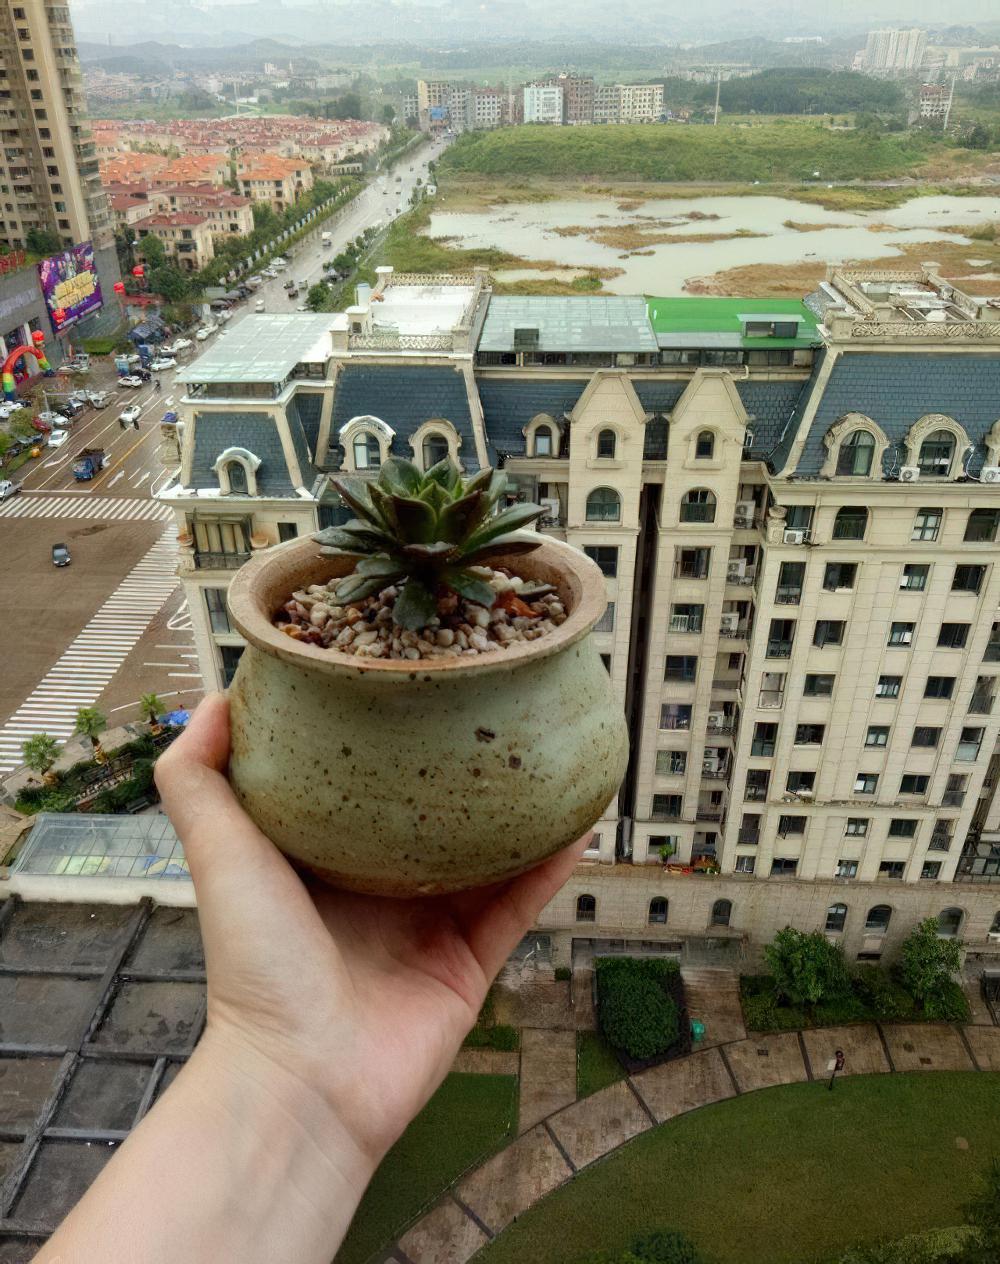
(113, 625)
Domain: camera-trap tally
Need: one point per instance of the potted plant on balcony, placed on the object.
(428, 766)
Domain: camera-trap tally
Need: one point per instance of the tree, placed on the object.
(388, 114)
(40, 752)
(152, 250)
(978, 137)
(317, 296)
(42, 241)
(807, 968)
(264, 216)
(928, 962)
(343, 262)
(982, 1212)
(150, 704)
(91, 723)
(170, 282)
(347, 106)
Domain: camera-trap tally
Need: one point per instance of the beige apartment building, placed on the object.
(276, 181)
(186, 237)
(796, 508)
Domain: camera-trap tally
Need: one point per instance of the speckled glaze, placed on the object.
(402, 778)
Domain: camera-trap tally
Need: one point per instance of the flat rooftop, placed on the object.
(421, 309)
(720, 322)
(263, 347)
(601, 323)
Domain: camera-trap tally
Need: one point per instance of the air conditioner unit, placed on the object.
(679, 622)
(736, 569)
(794, 537)
(551, 506)
(709, 765)
(745, 509)
(729, 622)
(716, 719)
(993, 936)
(804, 794)
(909, 474)
(990, 474)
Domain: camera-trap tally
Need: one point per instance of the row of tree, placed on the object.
(41, 751)
(793, 90)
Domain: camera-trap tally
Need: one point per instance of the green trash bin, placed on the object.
(697, 1030)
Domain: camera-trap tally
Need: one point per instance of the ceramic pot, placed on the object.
(402, 778)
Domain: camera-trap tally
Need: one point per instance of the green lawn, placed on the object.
(785, 1176)
(596, 1064)
(468, 1118)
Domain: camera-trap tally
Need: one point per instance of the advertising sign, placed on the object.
(70, 286)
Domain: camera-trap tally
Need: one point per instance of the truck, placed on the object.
(326, 239)
(89, 463)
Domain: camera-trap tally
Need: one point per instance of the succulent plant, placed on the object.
(427, 529)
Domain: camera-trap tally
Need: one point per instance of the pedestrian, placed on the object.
(158, 383)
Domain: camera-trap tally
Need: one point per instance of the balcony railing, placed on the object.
(684, 570)
(697, 513)
(787, 596)
(739, 631)
(748, 838)
(979, 862)
(772, 699)
(220, 561)
(939, 842)
(953, 798)
(747, 577)
(720, 726)
(675, 722)
(755, 794)
(708, 814)
(716, 774)
(724, 684)
(981, 704)
(779, 649)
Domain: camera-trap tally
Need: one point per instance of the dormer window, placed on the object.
(607, 442)
(704, 448)
(936, 454)
(367, 451)
(543, 442)
(238, 484)
(237, 472)
(435, 449)
(856, 454)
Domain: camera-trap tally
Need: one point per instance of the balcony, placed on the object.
(741, 578)
(939, 842)
(738, 631)
(724, 725)
(708, 814)
(748, 838)
(726, 684)
(715, 773)
(953, 798)
(755, 794)
(779, 649)
(981, 704)
(771, 699)
(979, 862)
(220, 561)
(697, 513)
(785, 596)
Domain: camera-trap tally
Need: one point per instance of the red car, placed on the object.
(42, 427)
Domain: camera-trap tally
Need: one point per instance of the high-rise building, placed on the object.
(578, 98)
(543, 103)
(895, 50)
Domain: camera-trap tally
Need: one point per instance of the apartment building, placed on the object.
(933, 100)
(186, 237)
(578, 98)
(891, 51)
(543, 103)
(48, 164)
(628, 103)
(277, 181)
(487, 108)
(796, 508)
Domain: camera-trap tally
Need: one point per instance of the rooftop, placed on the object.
(720, 322)
(263, 348)
(601, 323)
(421, 309)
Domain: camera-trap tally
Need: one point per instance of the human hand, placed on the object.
(348, 1004)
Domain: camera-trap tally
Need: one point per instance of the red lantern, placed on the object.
(59, 315)
(38, 337)
(119, 287)
(138, 270)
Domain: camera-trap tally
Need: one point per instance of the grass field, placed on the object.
(596, 1064)
(468, 1118)
(785, 1176)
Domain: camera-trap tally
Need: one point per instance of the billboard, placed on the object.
(69, 285)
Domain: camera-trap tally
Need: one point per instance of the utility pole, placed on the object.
(718, 89)
(951, 98)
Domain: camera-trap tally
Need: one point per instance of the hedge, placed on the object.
(634, 1010)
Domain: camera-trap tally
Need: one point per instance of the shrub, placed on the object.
(634, 1010)
(501, 1037)
(661, 1246)
(563, 974)
(939, 1246)
(881, 994)
(760, 1013)
(807, 968)
(948, 1004)
(927, 964)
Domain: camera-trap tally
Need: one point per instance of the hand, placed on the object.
(360, 1003)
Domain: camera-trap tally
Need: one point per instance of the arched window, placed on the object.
(435, 450)
(542, 442)
(704, 446)
(237, 472)
(995, 928)
(836, 916)
(856, 454)
(367, 451)
(607, 442)
(586, 908)
(658, 911)
(949, 922)
(877, 921)
(722, 911)
(604, 505)
(698, 505)
(850, 523)
(936, 453)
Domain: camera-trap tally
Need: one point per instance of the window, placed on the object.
(846, 869)
(939, 686)
(764, 737)
(692, 563)
(902, 827)
(780, 637)
(809, 734)
(745, 864)
(992, 652)
(675, 715)
(685, 617)
(891, 869)
(866, 783)
(790, 578)
(606, 557)
(927, 524)
(800, 782)
(857, 826)
(586, 908)
(671, 763)
(936, 452)
(606, 660)
(542, 444)
(658, 911)
(758, 780)
(704, 448)
(606, 623)
(230, 656)
(850, 523)
(288, 531)
(236, 471)
(789, 826)
(930, 870)
(901, 633)
(949, 922)
(913, 783)
(968, 579)
(604, 505)
(856, 454)
(367, 452)
(877, 921)
(682, 667)
(925, 735)
(828, 632)
(435, 449)
(981, 526)
(218, 615)
(953, 636)
(667, 807)
(836, 916)
(969, 743)
(606, 444)
(995, 926)
(698, 505)
(818, 685)
(722, 911)
(839, 575)
(914, 577)
(783, 866)
(877, 735)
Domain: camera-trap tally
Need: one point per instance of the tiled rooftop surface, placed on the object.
(600, 323)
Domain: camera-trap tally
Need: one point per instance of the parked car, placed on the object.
(293, 293)
(254, 282)
(178, 344)
(259, 305)
(130, 414)
(8, 489)
(279, 265)
(43, 427)
(132, 380)
(60, 555)
(99, 399)
(163, 362)
(48, 418)
(303, 285)
(57, 438)
(69, 408)
(80, 397)
(289, 285)
(79, 364)
(223, 316)
(206, 331)
(9, 407)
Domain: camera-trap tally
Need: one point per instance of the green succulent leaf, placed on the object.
(440, 550)
(510, 520)
(471, 587)
(415, 606)
(382, 502)
(445, 474)
(415, 518)
(356, 588)
(459, 519)
(355, 538)
(358, 496)
(380, 566)
(400, 476)
(503, 545)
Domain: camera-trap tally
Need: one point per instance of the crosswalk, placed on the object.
(107, 508)
(87, 666)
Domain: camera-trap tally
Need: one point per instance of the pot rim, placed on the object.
(260, 586)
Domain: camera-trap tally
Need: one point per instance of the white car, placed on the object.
(57, 438)
(259, 305)
(51, 418)
(130, 414)
(206, 331)
(163, 362)
(131, 380)
(278, 265)
(9, 407)
(222, 317)
(179, 344)
(98, 399)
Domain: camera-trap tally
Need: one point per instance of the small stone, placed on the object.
(498, 615)
(461, 640)
(516, 582)
(481, 572)
(408, 638)
(336, 612)
(556, 607)
(319, 590)
(368, 637)
(411, 651)
(425, 647)
(352, 614)
(345, 637)
(479, 617)
(388, 594)
(293, 630)
(470, 653)
(445, 637)
(479, 641)
(500, 583)
(319, 614)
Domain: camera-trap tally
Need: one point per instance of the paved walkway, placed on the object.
(485, 1201)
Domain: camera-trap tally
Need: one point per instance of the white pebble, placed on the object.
(500, 583)
(411, 651)
(368, 637)
(461, 640)
(445, 637)
(479, 617)
(516, 582)
(478, 641)
(345, 637)
(319, 614)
